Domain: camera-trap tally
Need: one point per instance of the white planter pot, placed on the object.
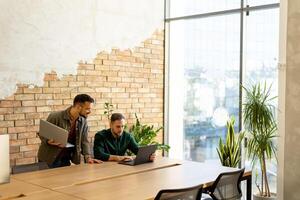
(258, 197)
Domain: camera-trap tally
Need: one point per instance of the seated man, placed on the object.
(74, 120)
(112, 144)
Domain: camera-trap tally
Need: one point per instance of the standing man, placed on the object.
(73, 119)
(112, 144)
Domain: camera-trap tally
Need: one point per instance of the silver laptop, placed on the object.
(4, 159)
(51, 131)
(142, 156)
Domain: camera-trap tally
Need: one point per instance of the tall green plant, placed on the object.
(258, 113)
(146, 134)
(229, 151)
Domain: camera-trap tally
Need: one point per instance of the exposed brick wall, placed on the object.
(131, 80)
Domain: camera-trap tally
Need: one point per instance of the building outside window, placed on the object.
(212, 47)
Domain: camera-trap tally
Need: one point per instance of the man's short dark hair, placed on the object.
(82, 98)
(116, 116)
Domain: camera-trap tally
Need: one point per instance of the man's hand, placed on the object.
(152, 157)
(125, 158)
(53, 143)
(93, 160)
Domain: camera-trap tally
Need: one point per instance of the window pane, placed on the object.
(261, 58)
(204, 84)
(190, 7)
(260, 2)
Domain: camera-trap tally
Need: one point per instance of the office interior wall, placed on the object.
(52, 50)
(289, 101)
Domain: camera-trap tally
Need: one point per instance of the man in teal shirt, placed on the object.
(112, 144)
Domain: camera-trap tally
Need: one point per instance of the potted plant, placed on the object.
(259, 121)
(146, 134)
(229, 151)
(143, 134)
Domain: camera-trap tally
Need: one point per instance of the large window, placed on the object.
(212, 48)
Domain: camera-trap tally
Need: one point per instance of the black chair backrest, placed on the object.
(29, 167)
(191, 193)
(227, 186)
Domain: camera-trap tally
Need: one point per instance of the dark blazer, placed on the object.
(48, 153)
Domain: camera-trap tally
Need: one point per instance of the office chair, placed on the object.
(191, 193)
(226, 186)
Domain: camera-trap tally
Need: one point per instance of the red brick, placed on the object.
(60, 107)
(24, 97)
(120, 90)
(43, 96)
(9, 104)
(76, 84)
(68, 78)
(28, 122)
(86, 90)
(123, 85)
(23, 129)
(14, 149)
(108, 62)
(13, 136)
(50, 77)
(127, 80)
(101, 67)
(33, 141)
(68, 101)
(14, 116)
(27, 135)
(3, 130)
(36, 115)
(24, 161)
(16, 155)
(33, 90)
(59, 83)
(86, 66)
(6, 124)
(145, 100)
(140, 80)
(30, 154)
(30, 147)
(24, 110)
(53, 102)
(34, 103)
(44, 109)
(51, 90)
(62, 96)
(13, 142)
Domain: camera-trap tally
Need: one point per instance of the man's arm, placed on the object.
(99, 152)
(133, 145)
(119, 158)
(85, 145)
(52, 119)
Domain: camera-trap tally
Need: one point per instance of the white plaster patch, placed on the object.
(40, 36)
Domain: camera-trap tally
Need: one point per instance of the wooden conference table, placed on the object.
(113, 181)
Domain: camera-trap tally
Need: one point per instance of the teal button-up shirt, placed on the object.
(106, 144)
